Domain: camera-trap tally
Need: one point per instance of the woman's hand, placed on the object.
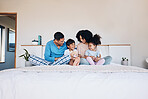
(79, 55)
(93, 58)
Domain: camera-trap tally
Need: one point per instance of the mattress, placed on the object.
(74, 82)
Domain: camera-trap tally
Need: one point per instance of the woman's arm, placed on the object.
(80, 56)
(85, 56)
(79, 50)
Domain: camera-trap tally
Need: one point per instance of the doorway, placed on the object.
(8, 39)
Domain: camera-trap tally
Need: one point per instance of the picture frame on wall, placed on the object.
(11, 40)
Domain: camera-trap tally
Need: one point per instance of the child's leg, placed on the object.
(75, 62)
(70, 62)
(78, 61)
(89, 59)
(100, 62)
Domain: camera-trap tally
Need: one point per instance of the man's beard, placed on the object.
(59, 44)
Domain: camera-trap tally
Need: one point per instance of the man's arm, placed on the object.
(48, 53)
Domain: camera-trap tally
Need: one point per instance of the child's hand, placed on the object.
(73, 58)
(96, 59)
(71, 54)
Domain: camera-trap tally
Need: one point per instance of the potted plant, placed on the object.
(124, 61)
(26, 57)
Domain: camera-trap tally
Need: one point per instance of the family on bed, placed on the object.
(59, 52)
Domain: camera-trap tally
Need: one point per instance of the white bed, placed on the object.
(74, 82)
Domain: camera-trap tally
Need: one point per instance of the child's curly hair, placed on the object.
(96, 40)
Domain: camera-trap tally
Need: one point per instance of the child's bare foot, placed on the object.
(75, 63)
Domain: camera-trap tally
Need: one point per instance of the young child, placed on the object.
(92, 55)
(75, 60)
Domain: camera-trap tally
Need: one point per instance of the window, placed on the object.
(11, 40)
(2, 44)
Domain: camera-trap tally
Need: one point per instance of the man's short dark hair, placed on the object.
(69, 41)
(58, 36)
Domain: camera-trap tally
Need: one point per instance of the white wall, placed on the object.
(117, 21)
(9, 56)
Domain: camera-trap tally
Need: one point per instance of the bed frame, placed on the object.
(117, 51)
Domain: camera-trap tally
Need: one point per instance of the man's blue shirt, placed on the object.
(52, 51)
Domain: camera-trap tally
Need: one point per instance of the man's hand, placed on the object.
(56, 58)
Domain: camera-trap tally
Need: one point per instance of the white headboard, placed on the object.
(116, 51)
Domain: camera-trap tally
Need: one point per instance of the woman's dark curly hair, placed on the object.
(86, 34)
(78, 36)
(96, 40)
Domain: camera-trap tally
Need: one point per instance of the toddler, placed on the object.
(92, 55)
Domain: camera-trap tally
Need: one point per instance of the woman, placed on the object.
(83, 37)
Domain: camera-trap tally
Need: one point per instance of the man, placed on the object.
(54, 52)
(55, 48)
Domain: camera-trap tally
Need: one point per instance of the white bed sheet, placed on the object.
(68, 82)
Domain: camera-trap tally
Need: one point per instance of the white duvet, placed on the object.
(74, 82)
